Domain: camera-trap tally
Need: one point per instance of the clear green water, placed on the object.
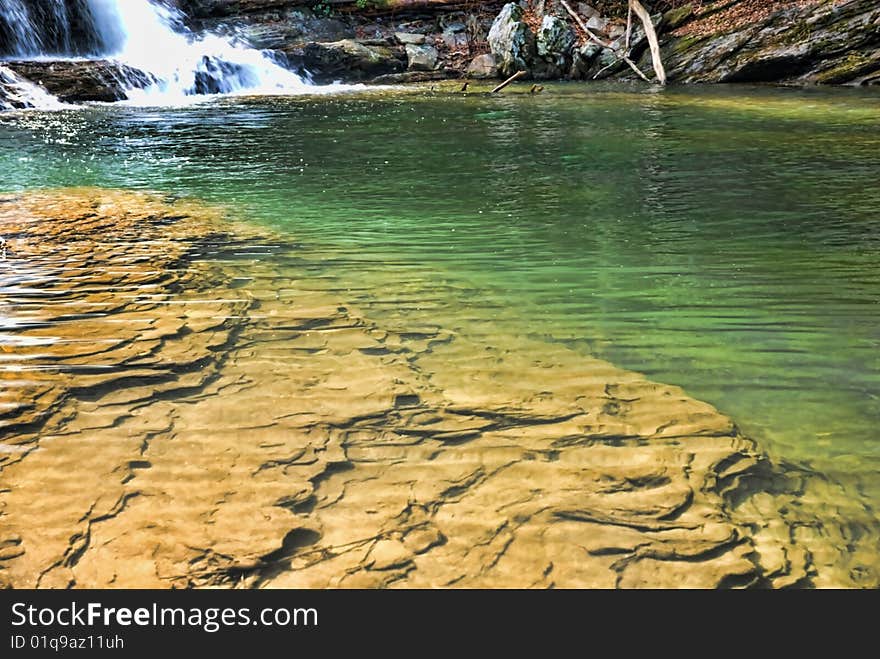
(723, 239)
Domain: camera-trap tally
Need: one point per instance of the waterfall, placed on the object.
(16, 93)
(17, 33)
(147, 35)
(36, 28)
(153, 38)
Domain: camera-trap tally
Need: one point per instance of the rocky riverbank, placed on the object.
(788, 41)
(781, 41)
(231, 425)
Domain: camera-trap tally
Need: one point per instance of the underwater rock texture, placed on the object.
(181, 411)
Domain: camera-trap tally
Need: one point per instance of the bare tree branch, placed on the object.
(508, 81)
(629, 27)
(604, 44)
(651, 33)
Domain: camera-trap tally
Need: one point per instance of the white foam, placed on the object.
(181, 67)
(152, 38)
(19, 93)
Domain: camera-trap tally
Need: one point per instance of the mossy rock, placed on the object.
(675, 18)
(854, 66)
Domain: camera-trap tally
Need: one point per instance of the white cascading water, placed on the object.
(31, 29)
(18, 93)
(24, 37)
(152, 38)
(149, 36)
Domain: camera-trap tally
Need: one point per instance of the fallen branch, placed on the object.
(508, 81)
(629, 27)
(651, 33)
(584, 27)
(604, 44)
(603, 70)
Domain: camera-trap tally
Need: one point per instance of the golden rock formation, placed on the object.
(181, 407)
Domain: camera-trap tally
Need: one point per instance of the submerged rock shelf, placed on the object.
(183, 408)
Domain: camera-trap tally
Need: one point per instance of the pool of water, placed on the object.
(725, 239)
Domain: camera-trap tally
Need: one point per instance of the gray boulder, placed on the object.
(605, 65)
(455, 36)
(555, 37)
(347, 59)
(421, 57)
(587, 10)
(582, 61)
(511, 41)
(277, 32)
(597, 23)
(410, 37)
(555, 43)
(483, 66)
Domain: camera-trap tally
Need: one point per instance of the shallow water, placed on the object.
(721, 239)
